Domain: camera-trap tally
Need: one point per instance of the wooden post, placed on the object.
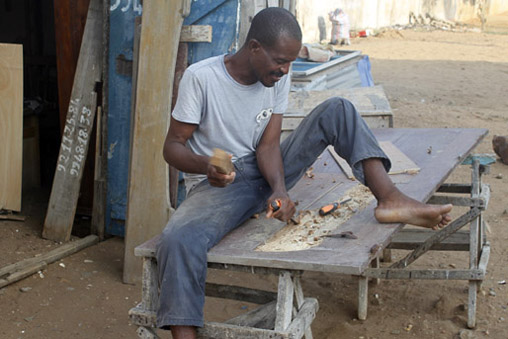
(284, 301)
(363, 287)
(148, 201)
(300, 300)
(474, 243)
(77, 131)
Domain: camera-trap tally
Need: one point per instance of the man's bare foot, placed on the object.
(403, 209)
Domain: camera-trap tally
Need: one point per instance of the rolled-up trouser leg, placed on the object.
(334, 122)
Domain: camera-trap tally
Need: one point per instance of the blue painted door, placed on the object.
(222, 15)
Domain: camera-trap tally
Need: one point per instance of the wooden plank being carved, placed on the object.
(222, 161)
(11, 125)
(77, 130)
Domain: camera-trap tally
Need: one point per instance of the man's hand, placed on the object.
(218, 179)
(287, 207)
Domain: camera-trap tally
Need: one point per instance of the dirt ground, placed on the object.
(432, 79)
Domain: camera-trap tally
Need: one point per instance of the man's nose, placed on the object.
(285, 68)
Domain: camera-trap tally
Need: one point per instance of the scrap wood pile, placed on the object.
(428, 23)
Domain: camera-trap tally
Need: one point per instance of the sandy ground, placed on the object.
(432, 79)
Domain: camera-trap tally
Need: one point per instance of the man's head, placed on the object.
(273, 42)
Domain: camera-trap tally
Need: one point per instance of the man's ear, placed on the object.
(254, 45)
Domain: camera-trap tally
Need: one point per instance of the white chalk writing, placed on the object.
(136, 6)
(74, 145)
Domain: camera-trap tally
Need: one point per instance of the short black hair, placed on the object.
(271, 23)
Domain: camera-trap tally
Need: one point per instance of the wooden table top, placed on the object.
(449, 146)
(351, 256)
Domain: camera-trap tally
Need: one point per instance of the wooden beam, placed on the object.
(409, 239)
(260, 317)
(300, 326)
(77, 131)
(196, 33)
(11, 126)
(27, 267)
(455, 274)
(239, 293)
(148, 202)
(284, 301)
(213, 330)
(437, 237)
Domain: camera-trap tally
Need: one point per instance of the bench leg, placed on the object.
(363, 288)
(299, 301)
(284, 301)
(147, 333)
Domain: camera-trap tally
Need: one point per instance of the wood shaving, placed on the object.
(312, 227)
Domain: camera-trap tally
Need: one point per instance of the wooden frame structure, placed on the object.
(436, 151)
(282, 315)
(447, 239)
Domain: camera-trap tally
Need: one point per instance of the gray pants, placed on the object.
(209, 213)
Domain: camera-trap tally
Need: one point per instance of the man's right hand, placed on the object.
(217, 179)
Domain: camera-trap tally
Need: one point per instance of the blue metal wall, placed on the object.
(222, 15)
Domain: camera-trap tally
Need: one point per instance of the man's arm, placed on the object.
(182, 158)
(271, 166)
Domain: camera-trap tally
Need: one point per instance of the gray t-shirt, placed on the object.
(229, 115)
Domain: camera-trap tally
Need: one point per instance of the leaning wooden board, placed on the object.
(11, 125)
(77, 131)
(148, 207)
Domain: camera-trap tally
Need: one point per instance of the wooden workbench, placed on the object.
(436, 151)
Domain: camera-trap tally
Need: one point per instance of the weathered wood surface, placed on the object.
(303, 319)
(239, 293)
(12, 217)
(300, 301)
(401, 163)
(11, 126)
(351, 256)
(409, 239)
(196, 33)
(214, 330)
(437, 237)
(370, 102)
(27, 267)
(261, 317)
(425, 274)
(284, 302)
(367, 100)
(148, 201)
(77, 131)
(347, 256)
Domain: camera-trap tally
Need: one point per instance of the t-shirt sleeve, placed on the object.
(189, 104)
(282, 95)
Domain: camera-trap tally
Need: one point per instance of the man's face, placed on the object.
(271, 63)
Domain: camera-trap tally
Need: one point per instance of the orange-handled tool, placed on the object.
(325, 210)
(275, 205)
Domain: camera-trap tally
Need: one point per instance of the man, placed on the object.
(340, 27)
(235, 102)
